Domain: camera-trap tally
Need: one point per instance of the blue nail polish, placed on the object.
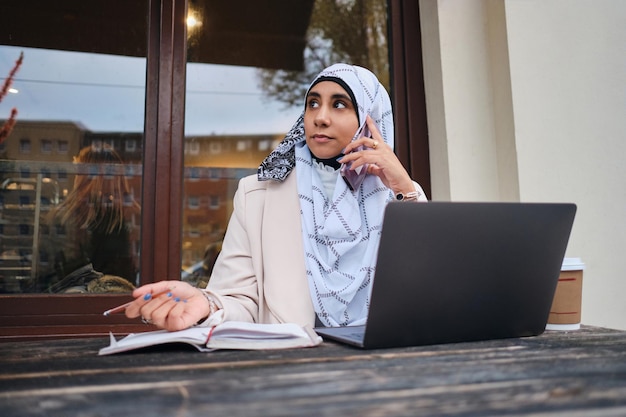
(177, 299)
(147, 296)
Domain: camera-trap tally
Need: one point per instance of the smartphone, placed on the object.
(354, 177)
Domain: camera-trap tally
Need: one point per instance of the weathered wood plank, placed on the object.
(556, 374)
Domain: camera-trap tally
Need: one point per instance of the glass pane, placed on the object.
(70, 166)
(246, 79)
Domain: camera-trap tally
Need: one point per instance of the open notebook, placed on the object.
(455, 272)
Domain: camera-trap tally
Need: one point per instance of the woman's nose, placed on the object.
(322, 116)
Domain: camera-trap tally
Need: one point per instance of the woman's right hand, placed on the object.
(381, 160)
(179, 307)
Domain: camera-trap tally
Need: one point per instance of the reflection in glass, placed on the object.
(103, 212)
(246, 78)
(70, 168)
(67, 211)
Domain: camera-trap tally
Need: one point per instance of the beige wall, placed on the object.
(526, 102)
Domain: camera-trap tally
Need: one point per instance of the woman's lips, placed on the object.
(321, 138)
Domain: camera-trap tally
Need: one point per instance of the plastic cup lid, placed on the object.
(572, 264)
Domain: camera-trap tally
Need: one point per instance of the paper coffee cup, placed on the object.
(566, 306)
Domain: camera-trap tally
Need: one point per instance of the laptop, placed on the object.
(458, 272)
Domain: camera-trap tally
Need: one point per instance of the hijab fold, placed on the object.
(340, 234)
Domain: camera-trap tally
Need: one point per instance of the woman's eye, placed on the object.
(340, 105)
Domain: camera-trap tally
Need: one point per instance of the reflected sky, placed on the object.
(106, 93)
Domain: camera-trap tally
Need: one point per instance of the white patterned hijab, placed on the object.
(340, 234)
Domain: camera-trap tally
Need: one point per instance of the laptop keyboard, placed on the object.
(354, 333)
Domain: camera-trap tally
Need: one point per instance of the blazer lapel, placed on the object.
(285, 284)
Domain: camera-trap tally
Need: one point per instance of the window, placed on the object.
(110, 171)
(194, 173)
(25, 230)
(214, 202)
(82, 81)
(96, 145)
(237, 105)
(193, 202)
(243, 145)
(215, 147)
(44, 257)
(62, 146)
(25, 145)
(129, 199)
(214, 174)
(46, 146)
(192, 148)
(131, 145)
(93, 169)
(265, 145)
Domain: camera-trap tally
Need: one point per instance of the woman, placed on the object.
(96, 213)
(301, 245)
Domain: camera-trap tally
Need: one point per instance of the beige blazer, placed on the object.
(260, 274)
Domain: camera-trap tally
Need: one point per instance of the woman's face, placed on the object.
(330, 119)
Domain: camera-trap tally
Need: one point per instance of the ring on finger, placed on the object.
(145, 320)
(375, 144)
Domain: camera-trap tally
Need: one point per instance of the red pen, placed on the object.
(123, 306)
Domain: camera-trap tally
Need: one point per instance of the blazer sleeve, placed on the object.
(234, 277)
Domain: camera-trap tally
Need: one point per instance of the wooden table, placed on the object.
(578, 373)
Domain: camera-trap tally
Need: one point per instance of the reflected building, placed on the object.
(213, 167)
(38, 155)
(34, 176)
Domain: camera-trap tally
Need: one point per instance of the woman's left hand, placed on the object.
(170, 305)
(382, 161)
